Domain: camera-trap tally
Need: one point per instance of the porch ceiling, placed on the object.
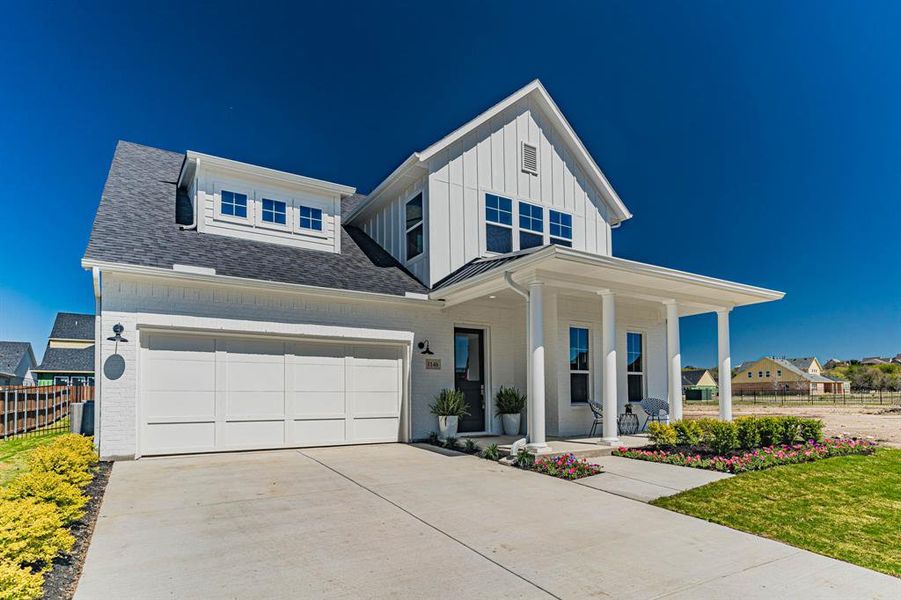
(579, 273)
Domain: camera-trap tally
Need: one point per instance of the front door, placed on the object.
(469, 375)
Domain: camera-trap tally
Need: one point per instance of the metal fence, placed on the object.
(37, 410)
(791, 397)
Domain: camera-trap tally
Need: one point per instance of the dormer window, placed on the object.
(531, 226)
(414, 228)
(561, 228)
(310, 218)
(234, 204)
(498, 224)
(275, 211)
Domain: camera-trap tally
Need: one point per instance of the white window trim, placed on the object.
(407, 230)
(644, 362)
(586, 326)
(557, 237)
(303, 231)
(289, 212)
(513, 227)
(66, 377)
(217, 204)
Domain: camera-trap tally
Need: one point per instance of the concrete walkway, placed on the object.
(396, 521)
(645, 481)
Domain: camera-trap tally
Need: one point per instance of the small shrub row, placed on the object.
(756, 460)
(745, 433)
(35, 509)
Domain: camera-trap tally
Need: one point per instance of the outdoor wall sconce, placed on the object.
(424, 346)
(117, 329)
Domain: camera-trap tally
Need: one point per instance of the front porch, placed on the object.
(588, 327)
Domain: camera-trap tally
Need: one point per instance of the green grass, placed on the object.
(847, 507)
(14, 452)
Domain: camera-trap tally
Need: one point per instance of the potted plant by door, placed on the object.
(449, 406)
(508, 403)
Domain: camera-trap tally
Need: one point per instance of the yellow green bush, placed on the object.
(18, 583)
(47, 486)
(70, 456)
(662, 434)
(31, 533)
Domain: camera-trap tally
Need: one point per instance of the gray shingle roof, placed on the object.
(68, 359)
(73, 326)
(136, 225)
(11, 354)
(692, 377)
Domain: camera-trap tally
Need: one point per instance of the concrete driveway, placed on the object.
(397, 521)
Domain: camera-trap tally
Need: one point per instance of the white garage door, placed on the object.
(209, 393)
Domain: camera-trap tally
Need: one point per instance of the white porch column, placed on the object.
(725, 364)
(608, 354)
(674, 360)
(536, 365)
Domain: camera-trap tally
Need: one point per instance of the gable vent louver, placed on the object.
(529, 158)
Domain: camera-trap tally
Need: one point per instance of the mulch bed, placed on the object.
(60, 583)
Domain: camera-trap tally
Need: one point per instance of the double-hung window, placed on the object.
(275, 211)
(579, 365)
(310, 218)
(415, 242)
(561, 228)
(531, 225)
(233, 204)
(498, 223)
(635, 365)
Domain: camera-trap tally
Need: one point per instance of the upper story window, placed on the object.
(310, 218)
(760, 374)
(233, 204)
(579, 365)
(767, 373)
(275, 211)
(750, 375)
(778, 372)
(414, 227)
(499, 223)
(561, 228)
(531, 225)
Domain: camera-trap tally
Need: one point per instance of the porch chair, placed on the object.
(598, 412)
(657, 410)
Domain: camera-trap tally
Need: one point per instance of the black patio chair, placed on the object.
(598, 412)
(656, 409)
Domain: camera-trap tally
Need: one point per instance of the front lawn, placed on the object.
(847, 507)
(14, 452)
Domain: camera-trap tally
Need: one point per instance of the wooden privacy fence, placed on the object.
(33, 410)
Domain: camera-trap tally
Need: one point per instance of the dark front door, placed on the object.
(469, 375)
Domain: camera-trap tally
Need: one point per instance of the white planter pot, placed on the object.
(511, 423)
(447, 427)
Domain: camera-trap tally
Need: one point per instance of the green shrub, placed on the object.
(450, 403)
(791, 429)
(524, 459)
(811, 429)
(688, 433)
(31, 533)
(49, 487)
(770, 430)
(748, 432)
(662, 434)
(705, 426)
(80, 444)
(71, 456)
(509, 401)
(19, 583)
(451, 443)
(724, 437)
(434, 439)
(470, 447)
(491, 452)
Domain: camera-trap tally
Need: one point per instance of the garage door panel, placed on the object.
(208, 393)
(313, 404)
(314, 432)
(180, 404)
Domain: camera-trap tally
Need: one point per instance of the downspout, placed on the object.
(508, 279)
(98, 354)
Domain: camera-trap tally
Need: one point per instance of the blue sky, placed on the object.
(753, 141)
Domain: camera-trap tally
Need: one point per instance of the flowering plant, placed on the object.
(566, 466)
(755, 460)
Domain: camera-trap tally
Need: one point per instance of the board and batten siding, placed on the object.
(487, 160)
(207, 189)
(387, 226)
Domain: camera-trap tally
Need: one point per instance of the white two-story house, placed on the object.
(264, 309)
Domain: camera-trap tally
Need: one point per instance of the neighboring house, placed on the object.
(16, 363)
(833, 363)
(69, 357)
(799, 375)
(263, 309)
(874, 360)
(698, 384)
